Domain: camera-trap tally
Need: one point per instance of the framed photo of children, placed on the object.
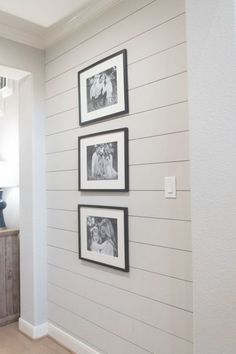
(103, 161)
(103, 235)
(103, 89)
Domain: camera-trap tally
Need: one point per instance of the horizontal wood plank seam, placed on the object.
(137, 164)
(129, 64)
(130, 190)
(99, 32)
(131, 267)
(138, 87)
(111, 48)
(130, 114)
(133, 139)
(97, 325)
(123, 289)
(121, 313)
(130, 241)
(130, 215)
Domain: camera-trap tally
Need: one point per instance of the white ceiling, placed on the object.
(41, 23)
(42, 12)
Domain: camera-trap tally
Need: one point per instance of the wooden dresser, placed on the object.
(9, 276)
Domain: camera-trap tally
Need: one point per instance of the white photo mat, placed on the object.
(117, 60)
(119, 136)
(113, 213)
(109, 184)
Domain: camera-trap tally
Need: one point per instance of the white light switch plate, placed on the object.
(170, 187)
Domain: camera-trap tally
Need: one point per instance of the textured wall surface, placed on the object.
(148, 310)
(212, 90)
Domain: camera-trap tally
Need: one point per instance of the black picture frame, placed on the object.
(103, 89)
(104, 161)
(103, 235)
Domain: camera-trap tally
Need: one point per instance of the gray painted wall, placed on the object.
(148, 310)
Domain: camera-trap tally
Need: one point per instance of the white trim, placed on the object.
(24, 37)
(60, 336)
(34, 332)
(69, 342)
(70, 24)
(22, 31)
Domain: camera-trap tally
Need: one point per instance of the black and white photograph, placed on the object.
(103, 89)
(103, 235)
(103, 161)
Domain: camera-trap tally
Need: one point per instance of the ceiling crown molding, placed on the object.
(22, 31)
(70, 24)
(26, 38)
(25, 32)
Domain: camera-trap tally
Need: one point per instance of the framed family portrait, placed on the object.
(103, 161)
(103, 235)
(103, 89)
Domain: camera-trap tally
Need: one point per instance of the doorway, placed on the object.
(30, 207)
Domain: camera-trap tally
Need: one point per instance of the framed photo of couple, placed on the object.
(103, 89)
(103, 161)
(103, 235)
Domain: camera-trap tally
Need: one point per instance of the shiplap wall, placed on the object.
(148, 310)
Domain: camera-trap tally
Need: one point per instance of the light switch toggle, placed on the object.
(170, 187)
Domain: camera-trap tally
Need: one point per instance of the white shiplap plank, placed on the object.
(171, 262)
(62, 219)
(161, 232)
(151, 177)
(158, 94)
(63, 239)
(142, 177)
(125, 327)
(100, 24)
(133, 305)
(162, 260)
(157, 13)
(66, 160)
(164, 63)
(165, 148)
(62, 103)
(64, 121)
(90, 333)
(149, 204)
(161, 121)
(157, 149)
(153, 287)
(62, 180)
(166, 233)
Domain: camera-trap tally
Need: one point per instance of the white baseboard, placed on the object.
(65, 339)
(34, 332)
(68, 341)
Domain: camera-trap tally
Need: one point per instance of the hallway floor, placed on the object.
(14, 342)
